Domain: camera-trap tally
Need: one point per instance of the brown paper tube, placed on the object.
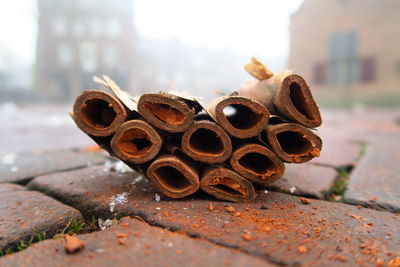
(136, 141)
(166, 112)
(207, 142)
(98, 113)
(287, 95)
(257, 163)
(292, 142)
(240, 116)
(173, 176)
(226, 184)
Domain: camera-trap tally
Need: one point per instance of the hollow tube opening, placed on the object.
(206, 141)
(294, 143)
(135, 143)
(98, 113)
(171, 178)
(241, 117)
(299, 100)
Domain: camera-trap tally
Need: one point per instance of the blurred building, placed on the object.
(81, 38)
(196, 70)
(347, 47)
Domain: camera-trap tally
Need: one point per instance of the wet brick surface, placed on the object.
(133, 243)
(24, 214)
(278, 227)
(20, 168)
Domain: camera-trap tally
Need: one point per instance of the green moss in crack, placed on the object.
(340, 184)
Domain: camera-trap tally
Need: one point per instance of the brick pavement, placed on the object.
(21, 167)
(134, 243)
(278, 228)
(375, 182)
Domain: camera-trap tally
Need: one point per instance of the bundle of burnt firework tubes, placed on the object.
(236, 142)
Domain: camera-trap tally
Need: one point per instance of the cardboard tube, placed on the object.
(98, 113)
(240, 116)
(207, 142)
(174, 176)
(292, 142)
(166, 112)
(136, 141)
(286, 95)
(226, 184)
(257, 163)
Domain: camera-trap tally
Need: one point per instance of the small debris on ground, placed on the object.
(103, 224)
(157, 197)
(341, 258)
(211, 206)
(292, 189)
(246, 236)
(302, 249)
(230, 209)
(305, 200)
(73, 244)
(394, 262)
(372, 199)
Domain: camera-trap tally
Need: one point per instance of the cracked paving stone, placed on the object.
(305, 180)
(7, 187)
(276, 226)
(20, 168)
(375, 180)
(24, 214)
(133, 243)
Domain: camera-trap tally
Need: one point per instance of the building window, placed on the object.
(59, 26)
(319, 73)
(113, 28)
(110, 56)
(64, 55)
(367, 69)
(95, 27)
(88, 56)
(343, 58)
(78, 28)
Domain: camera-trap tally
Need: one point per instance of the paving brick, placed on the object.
(20, 168)
(338, 151)
(139, 244)
(305, 180)
(375, 181)
(6, 187)
(278, 227)
(24, 214)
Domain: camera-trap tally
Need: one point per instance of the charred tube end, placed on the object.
(241, 117)
(136, 141)
(207, 142)
(98, 113)
(225, 184)
(165, 112)
(295, 101)
(292, 142)
(173, 177)
(257, 163)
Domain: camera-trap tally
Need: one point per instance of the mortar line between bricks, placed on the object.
(341, 181)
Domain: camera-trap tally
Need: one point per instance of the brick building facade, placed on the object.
(347, 46)
(81, 38)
